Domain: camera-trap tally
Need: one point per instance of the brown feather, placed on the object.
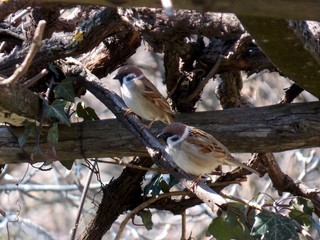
(207, 144)
(152, 94)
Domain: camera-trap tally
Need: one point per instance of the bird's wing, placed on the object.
(152, 94)
(207, 144)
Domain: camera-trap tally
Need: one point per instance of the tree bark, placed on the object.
(17, 105)
(264, 129)
(272, 8)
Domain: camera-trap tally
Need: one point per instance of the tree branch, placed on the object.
(284, 183)
(273, 8)
(18, 104)
(102, 25)
(263, 129)
(284, 43)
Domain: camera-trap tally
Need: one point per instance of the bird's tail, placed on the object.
(234, 162)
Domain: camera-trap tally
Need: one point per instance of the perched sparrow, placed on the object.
(196, 151)
(142, 97)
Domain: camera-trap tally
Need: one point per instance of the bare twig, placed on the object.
(35, 79)
(35, 46)
(284, 183)
(45, 188)
(204, 81)
(3, 46)
(121, 163)
(291, 93)
(83, 197)
(183, 225)
(20, 15)
(241, 200)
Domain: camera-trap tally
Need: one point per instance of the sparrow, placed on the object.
(196, 151)
(142, 97)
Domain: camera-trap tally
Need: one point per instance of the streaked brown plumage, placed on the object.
(142, 97)
(196, 151)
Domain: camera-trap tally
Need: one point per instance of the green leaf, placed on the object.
(157, 185)
(303, 205)
(29, 131)
(87, 113)
(65, 90)
(172, 181)
(54, 69)
(153, 187)
(67, 164)
(269, 225)
(56, 110)
(232, 224)
(300, 217)
(222, 230)
(53, 134)
(164, 186)
(146, 217)
(37, 150)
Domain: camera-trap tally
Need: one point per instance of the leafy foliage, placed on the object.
(67, 164)
(53, 134)
(231, 224)
(54, 70)
(29, 131)
(87, 113)
(146, 217)
(302, 213)
(269, 225)
(65, 90)
(157, 185)
(56, 110)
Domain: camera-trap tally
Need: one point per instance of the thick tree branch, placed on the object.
(17, 105)
(281, 41)
(284, 183)
(273, 8)
(111, 53)
(105, 23)
(264, 129)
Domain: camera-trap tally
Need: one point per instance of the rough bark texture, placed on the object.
(273, 8)
(17, 105)
(107, 22)
(263, 129)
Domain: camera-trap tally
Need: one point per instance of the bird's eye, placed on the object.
(174, 138)
(129, 77)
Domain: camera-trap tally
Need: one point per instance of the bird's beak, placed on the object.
(117, 76)
(160, 135)
(163, 135)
